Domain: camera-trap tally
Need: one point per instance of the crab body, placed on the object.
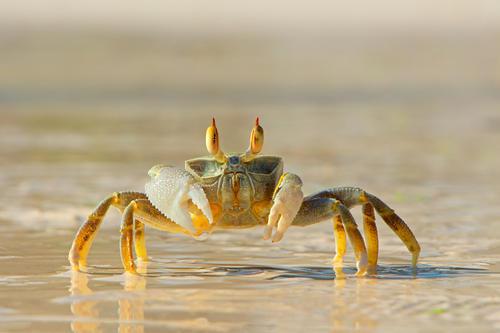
(240, 193)
(240, 190)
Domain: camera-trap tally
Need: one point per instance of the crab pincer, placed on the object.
(287, 200)
(172, 191)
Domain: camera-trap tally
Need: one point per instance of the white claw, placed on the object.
(272, 221)
(285, 207)
(170, 190)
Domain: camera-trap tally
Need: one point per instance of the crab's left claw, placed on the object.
(171, 190)
(287, 200)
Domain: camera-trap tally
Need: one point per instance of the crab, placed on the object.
(235, 191)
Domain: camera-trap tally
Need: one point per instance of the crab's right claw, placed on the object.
(171, 190)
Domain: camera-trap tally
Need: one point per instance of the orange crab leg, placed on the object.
(371, 236)
(140, 241)
(340, 241)
(85, 236)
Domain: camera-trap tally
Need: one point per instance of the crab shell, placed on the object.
(240, 191)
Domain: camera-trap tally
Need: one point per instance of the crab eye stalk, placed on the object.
(212, 141)
(256, 141)
(256, 138)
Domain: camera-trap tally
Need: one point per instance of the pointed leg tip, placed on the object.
(414, 260)
(339, 273)
(267, 232)
(362, 266)
(338, 262)
(278, 236)
(130, 272)
(72, 261)
(372, 270)
(361, 273)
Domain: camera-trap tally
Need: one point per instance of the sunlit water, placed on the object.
(428, 148)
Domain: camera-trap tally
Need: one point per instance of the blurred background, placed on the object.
(401, 98)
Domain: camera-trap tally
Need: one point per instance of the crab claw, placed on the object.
(287, 199)
(171, 190)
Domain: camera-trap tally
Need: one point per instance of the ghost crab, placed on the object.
(230, 191)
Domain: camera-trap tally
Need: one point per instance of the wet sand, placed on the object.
(416, 122)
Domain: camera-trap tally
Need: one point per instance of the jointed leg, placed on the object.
(140, 241)
(314, 210)
(340, 241)
(141, 209)
(396, 224)
(352, 196)
(127, 238)
(371, 236)
(354, 236)
(86, 234)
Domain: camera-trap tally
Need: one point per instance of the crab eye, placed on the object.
(212, 141)
(234, 160)
(256, 138)
(212, 138)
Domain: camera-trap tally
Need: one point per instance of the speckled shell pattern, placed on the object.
(170, 189)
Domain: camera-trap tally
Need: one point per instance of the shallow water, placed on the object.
(423, 139)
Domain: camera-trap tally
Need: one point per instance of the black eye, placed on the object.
(233, 160)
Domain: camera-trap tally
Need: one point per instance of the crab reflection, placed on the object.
(130, 306)
(221, 297)
(85, 310)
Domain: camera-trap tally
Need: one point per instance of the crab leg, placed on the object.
(127, 237)
(371, 236)
(354, 236)
(140, 241)
(135, 216)
(314, 210)
(182, 208)
(340, 241)
(87, 232)
(352, 196)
